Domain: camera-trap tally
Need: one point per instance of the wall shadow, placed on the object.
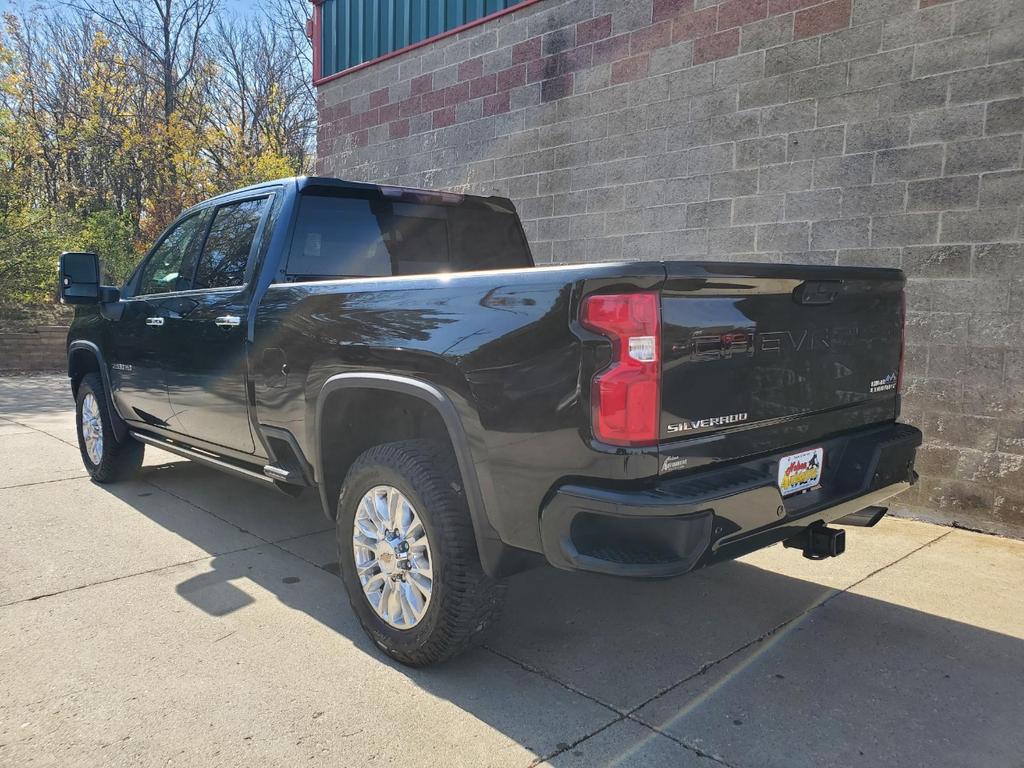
(35, 394)
(857, 681)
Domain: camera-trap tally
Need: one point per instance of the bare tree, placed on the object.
(291, 20)
(261, 106)
(169, 38)
(169, 33)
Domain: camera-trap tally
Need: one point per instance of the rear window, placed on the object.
(371, 236)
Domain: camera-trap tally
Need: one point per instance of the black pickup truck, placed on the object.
(465, 415)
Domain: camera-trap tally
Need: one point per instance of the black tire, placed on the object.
(464, 601)
(118, 460)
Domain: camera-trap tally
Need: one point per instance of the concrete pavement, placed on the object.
(188, 618)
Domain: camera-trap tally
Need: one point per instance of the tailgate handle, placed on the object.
(817, 291)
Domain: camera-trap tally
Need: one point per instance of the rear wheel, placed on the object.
(105, 459)
(408, 555)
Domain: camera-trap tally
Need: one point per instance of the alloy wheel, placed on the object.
(92, 428)
(392, 557)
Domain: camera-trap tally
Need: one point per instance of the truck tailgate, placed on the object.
(753, 345)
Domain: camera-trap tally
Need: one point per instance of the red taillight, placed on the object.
(625, 396)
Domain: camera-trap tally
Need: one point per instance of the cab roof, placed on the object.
(306, 182)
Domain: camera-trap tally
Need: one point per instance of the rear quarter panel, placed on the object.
(502, 345)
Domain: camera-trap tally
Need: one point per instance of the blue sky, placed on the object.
(242, 7)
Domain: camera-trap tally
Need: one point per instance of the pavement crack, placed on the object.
(317, 532)
(275, 543)
(44, 432)
(206, 556)
(562, 749)
(201, 508)
(825, 598)
(630, 714)
(685, 745)
(619, 714)
(957, 525)
(897, 561)
(46, 482)
(551, 678)
(124, 576)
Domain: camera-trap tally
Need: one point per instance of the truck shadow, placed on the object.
(757, 667)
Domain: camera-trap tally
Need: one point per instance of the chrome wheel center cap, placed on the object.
(392, 553)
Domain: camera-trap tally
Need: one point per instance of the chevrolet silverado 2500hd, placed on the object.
(465, 415)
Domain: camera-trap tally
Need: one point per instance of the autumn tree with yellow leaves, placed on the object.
(114, 116)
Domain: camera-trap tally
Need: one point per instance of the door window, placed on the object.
(168, 267)
(226, 252)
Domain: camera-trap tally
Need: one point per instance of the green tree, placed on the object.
(109, 234)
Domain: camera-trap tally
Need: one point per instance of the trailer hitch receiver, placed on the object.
(818, 542)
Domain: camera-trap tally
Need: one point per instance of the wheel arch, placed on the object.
(85, 357)
(435, 416)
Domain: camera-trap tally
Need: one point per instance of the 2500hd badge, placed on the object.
(887, 384)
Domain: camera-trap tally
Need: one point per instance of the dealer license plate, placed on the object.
(800, 471)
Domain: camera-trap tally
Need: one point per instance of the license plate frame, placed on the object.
(801, 471)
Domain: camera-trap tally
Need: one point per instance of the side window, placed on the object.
(226, 252)
(167, 268)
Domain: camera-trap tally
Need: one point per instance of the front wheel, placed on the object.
(408, 555)
(106, 460)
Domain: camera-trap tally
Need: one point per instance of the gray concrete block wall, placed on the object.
(866, 132)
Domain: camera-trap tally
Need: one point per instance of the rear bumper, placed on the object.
(718, 514)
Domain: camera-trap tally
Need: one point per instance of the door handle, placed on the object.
(228, 321)
(156, 322)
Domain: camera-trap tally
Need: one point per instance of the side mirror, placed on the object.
(79, 278)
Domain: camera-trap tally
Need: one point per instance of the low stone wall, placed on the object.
(37, 349)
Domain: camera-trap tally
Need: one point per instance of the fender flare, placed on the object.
(489, 543)
(119, 425)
